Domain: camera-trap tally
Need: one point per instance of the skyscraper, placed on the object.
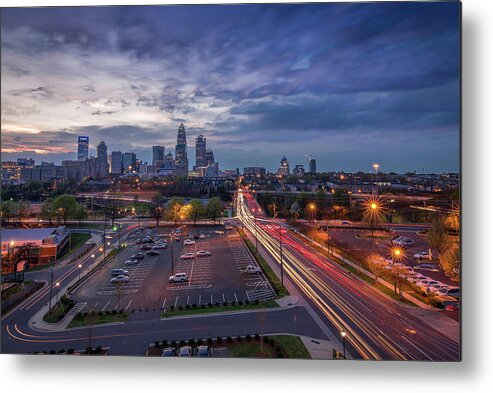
(128, 162)
(200, 152)
(158, 156)
(83, 148)
(209, 157)
(102, 165)
(284, 167)
(313, 165)
(116, 162)
(181, 159)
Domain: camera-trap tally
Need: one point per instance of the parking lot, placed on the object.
(211, 279)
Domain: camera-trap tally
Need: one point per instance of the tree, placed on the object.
(376, 264)
(174, 208)
(450, 260)
(157, 209)
(295, 210)
(24, 208)
(80, 213)
(47, 210)
(196, 210)
(400, 274)
(65, 205)
(438, 237)
(9, 209)
(214, 208)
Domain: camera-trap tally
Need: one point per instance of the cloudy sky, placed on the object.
(350, 84)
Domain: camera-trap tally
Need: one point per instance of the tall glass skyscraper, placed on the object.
(83, 148)
(158, 155)
(200, 152)
(181, 159)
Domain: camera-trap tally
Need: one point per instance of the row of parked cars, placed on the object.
(202, 351)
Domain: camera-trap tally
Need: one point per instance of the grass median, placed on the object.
(59, 310)
(217, 307)
(290, 347)
(88, 319)
(275, 282)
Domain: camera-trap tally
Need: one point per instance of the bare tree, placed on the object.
(438, 236)
(376, 263)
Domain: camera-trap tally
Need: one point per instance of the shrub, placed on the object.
(191, 342)
(156, 344)
(229, 339)
(209, 341)
(180, 307)
(114, 312)
(84, 314)
(187, 306)
(108, 312)
(240, 302)
(225, 303)
(172, 308)
(257, 337)
(165, 343)
(173, 344)
(61, 351)
(202, 306)
(194, 305)
(248, 337)
(52, 352)
(70, 351)
(100, 313)
(239, 339)
(182, 343)
(257, 301)
(200, 342)
(98, 349)
(233, 303)
(247, 302)
(88, 350)
(217, 304)
(219, 339)
(121, 311)
(210, 304)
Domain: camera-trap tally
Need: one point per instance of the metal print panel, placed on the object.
(259, 181)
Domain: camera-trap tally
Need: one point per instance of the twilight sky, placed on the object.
(350, 84)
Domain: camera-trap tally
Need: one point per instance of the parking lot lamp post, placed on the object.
(280, 252)
(396, 253)
(343, 334)
(92, 261)
(80, 266)
(256, 238)
(171, 247)
(51, 282)
(57, 287)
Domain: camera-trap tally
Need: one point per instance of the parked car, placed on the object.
(146, 247)
(203, 351)
(203, 253)
(427, 266)
(119, 272)
(403, 241)
(185, 351)
(201, 236)
(196, 236)
(229, 227)
(139, 255)
(159, 246)
(423, 255)
(178, 277)
(169, 351)
(118, 279)
(132, 262)
(188, 255)
(152, 253)
(138, 241)
(188, 242)
(450, 291)
(251, 269)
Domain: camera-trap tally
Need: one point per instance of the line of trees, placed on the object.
(63, 207)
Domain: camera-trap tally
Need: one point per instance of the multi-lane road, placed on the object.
(376, 327)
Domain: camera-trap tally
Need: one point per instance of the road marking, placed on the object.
(106, 305)
(200, 299)
(236, 298)
(117, 304)
(164, 303)
(224, 299)
(176, 301)
(128, 305)
(188, 299)
(212, 300)
(93, 307)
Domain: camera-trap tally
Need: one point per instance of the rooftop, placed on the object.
(26, 235)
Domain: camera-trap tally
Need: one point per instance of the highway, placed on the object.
(377, 328)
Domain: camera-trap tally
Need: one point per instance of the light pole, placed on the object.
(57, 286)
(53, 261)
(256, 238)
(80, 266)
(172, 257)
(396, 253)
(92, 261)
(280, 252)
(312, 208)
(343, 335)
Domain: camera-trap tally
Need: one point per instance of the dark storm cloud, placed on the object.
(255, 74)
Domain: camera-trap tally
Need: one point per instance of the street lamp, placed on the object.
(57, 287)
(397, 253)
(92, 261)
(312, 208)
(343, 335)
(80, 266)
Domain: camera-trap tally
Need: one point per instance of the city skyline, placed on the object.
(260, 82)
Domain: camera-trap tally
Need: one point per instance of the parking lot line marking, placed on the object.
(176, 301)
(224, 299)
(93, 307)
(212, 300)
(117, 304)
(188, 299)
(200, 299)
(106, 305)
(128, 305)
(236, 298)
(164, 302)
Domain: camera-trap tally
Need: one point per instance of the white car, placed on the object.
(427, 266)
(188, 242)
(201, 236)
(423, 255)
(449, 291)
(188, 255)
(229, 227)
(159, 246)
(132, 262)
(403, 241)
(251, 269)
(118, 279)
(203, 253)
(178, 277)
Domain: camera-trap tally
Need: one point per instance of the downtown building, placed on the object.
(158, 156)
(200, 152)
(83, 148)
(181, 159)
(116, 163)
(129, 161)
(312, 165)
(283, 167)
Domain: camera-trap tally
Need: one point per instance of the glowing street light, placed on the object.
(92, 261)
(57, 285)
(80, 267)
(343, 335)
(397, 254)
